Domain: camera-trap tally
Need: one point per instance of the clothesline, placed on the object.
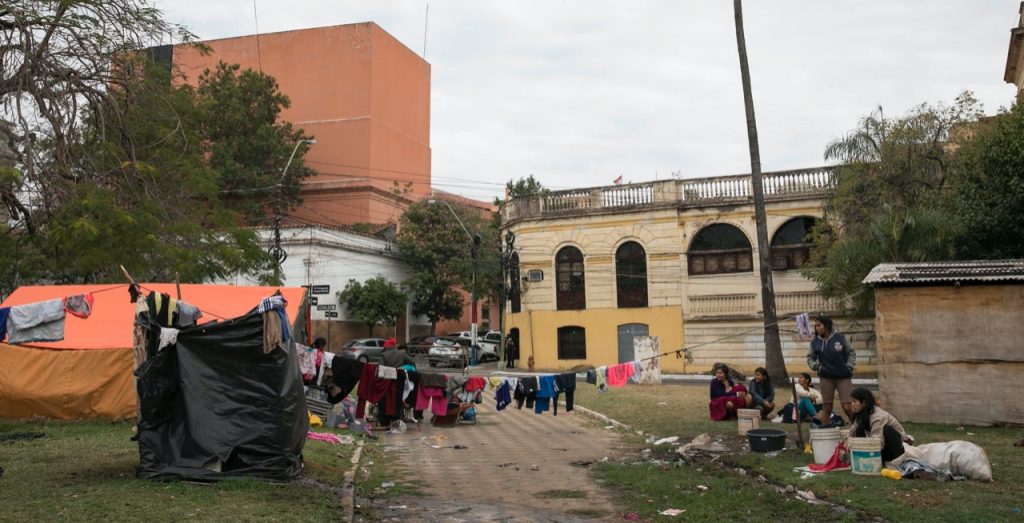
(679, 352)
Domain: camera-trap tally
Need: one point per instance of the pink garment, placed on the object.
(439, 406)
(323, 436)
(619, 374)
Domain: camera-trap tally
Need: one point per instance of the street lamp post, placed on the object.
(473, 251)
(276, 251)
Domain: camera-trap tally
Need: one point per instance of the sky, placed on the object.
(579, 93)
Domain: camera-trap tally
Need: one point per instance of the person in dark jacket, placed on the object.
(392, 356)
(833, 358)
(762, 393)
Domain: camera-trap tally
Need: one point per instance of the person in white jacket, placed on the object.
(808, 401)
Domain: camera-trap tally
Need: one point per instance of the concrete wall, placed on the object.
(952, 354)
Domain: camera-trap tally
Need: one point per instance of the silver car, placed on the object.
(363, 349)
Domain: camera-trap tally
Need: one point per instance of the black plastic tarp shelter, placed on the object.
(214, 406)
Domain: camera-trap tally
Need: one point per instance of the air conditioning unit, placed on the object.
(535, 275)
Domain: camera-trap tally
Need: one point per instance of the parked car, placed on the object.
(363, 349)
(449, 351)
(418, 345)
(488, 346)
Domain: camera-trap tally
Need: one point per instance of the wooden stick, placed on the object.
(796, 414)
(177, 284)
(126, 275)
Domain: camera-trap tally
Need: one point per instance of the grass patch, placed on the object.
(561, 494)
(681, 410)
(85, 471)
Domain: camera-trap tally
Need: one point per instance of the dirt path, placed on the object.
(517, 466)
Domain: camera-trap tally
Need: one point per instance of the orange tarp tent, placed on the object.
(89, 373)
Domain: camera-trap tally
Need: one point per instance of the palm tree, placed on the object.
(772, 344)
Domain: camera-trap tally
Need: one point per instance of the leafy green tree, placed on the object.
(238, 118)
(888, 199)
(528, 186)
(376, 301)
(988, 189)
(438, 251)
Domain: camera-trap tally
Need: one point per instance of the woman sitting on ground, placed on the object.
(762, 393)
(809, 401)
(869, 420)
(725, 396)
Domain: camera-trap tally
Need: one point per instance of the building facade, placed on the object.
(592, 268)
(361, 93)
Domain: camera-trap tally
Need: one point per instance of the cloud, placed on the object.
(577, 93)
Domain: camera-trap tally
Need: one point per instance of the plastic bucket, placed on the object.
(866, 456)
(766, 440)
(823, 443)
(748, 419)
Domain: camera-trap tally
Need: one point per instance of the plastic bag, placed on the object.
(960, 458)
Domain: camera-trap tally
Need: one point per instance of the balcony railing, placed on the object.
(723, 190)
(749, 304)
(721, 305)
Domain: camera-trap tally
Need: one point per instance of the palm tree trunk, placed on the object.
(772, 345)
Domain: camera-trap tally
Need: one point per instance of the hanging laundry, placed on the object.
(434, 397)
(502, 396)
(475, 383)
(619, 374)
(345, 373)
(188, 315)
(271, 303)
(307, 357)
(494, 381)
(545, 391)
(526, 391)
(40, 321)
(387, 373)
(565, 382)
(638, 368)
(4, 311)
(326, 361)
(602, 378)
(168, 337)
(803, 327)
(79, 305)
(272, 335)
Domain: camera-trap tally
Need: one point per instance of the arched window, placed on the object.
(720, 248)
(791, 245)
(569, 282)
(514, 290)
(631, 275)
(572, 343)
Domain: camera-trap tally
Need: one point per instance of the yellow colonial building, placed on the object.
(592, 268)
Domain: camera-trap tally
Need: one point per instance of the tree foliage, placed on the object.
(439, 252)
(376, 301)
(887, 205)
(107, 159)
(988, 189)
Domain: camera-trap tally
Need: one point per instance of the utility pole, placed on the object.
(276, 251)
(774, 359)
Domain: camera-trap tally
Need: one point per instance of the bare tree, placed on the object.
(56, 60)
(774, 360)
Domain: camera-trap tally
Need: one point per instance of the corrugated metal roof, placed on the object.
(952, 271)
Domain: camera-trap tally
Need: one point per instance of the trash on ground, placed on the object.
(701, 443)
(460, 447)
(387, 484)
(397, 507)
(609, 426)
(631, 516)
(662, 403)
(703, 488)
(807, 494)
(672, 511)
(534, 468)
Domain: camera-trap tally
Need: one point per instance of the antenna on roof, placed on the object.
(259, 57)
(426, 25)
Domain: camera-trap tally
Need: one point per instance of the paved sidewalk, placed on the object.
(512, 469)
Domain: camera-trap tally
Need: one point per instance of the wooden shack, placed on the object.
(950, 340)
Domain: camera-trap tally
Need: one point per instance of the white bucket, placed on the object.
(823, 443)
(866, 456)
(748, 419)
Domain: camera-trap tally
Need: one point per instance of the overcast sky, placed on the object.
(578, 93)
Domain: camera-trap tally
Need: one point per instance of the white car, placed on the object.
(488, 343)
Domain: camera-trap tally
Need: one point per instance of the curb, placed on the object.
(348, 497)
(602, 417)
